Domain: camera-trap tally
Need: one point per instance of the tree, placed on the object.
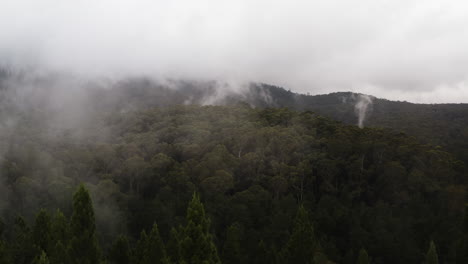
(42, 231)
(60, 236)
(363, 258)
(462, 248)
(120, 251)
(232, 250)
(23, 250)
(196, 242)
(302, 243)
(154, 251)
(83, 245)
(173, 246)
(41, 259)
(431, 256)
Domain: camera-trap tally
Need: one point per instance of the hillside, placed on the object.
(258, 176)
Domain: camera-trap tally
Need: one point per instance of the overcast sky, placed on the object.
(414, 50)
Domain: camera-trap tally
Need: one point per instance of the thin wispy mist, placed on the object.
(406, 50)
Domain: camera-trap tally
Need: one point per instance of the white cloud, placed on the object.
(413, 50)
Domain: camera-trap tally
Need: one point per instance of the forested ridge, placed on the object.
(227, 184)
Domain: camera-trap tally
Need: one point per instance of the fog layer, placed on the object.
(406, 50)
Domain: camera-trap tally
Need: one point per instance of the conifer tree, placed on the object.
(196, 243)
(462, 247)
(139, 251)
(3, 245)
(41, 259)
(173, 246)
(154, 248)
(59, 254)
(60, 227)
(363, 257)
(23, 250)
(261, 254)
(431, 256)
(120, 251)
(42, 231)
(301, 244)
(60, 236)
(83, 244)
(231, 250)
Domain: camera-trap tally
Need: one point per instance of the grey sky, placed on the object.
(414, 50)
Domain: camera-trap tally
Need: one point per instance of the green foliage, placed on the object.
(41, 259)
(462, 245)
(42, 233)
(120, 251)
(83, 245)
(196, 244)
(370, 188)
(152, 249)
(431, 255)
(363, 258)
(232, 246)
(302, 243)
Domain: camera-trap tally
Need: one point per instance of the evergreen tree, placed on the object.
(60, 236)
(196, 243)
(431, 256)
(173, 246)
(23, 250)
(42, 231)
(60, 227)
(261, 255)
(301, 244)
(120, 251)
(41, 259)
(139, 251)
(363, 257)
(231, 250)
(83, 244)
(59, 254)
(154, 248)
(3, 245)
(462, 248)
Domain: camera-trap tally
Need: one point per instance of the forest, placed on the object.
(226, 184)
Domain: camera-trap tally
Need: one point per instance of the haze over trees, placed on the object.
(150, 177)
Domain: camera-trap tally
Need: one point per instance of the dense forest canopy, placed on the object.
(146, 172)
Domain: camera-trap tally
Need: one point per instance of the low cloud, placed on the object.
(407, 50)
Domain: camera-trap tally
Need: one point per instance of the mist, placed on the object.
(400, 50)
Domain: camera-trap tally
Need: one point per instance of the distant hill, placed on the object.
(444, 125)
(438, 124)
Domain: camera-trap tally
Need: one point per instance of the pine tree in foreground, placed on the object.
(120, 251)
(83, 245)
(301, 245)
(363, 257)
(431, 256)
(231, 250)
(196, 243)
(462, 247)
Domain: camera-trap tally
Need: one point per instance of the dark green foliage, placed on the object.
(83, 244)
(152, 249)
(367, 188)
(431, 255)
(23, 250)
(42, 232)
(462, 245)
(196, 244)
(232, 246)
(363, 258)
(41, 259)
(173, 246)
(302, 243)
(120, 251)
